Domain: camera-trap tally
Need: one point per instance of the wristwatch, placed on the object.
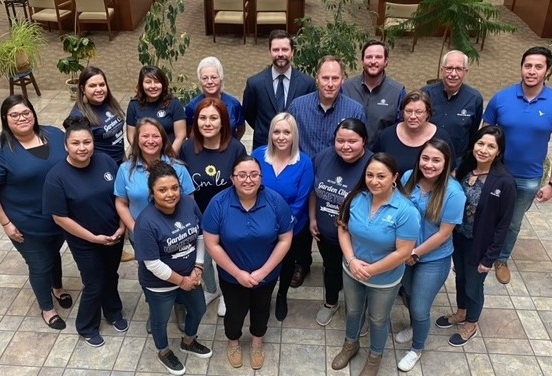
(348, 261)
(415, 257)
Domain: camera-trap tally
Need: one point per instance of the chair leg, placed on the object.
(11, 83)
(255, 32)
(414, 42)
(244, 31)
(109, 29)
(23, 87)
(214, 34)
(35, 85)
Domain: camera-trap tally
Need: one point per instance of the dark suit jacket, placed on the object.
(259, 101)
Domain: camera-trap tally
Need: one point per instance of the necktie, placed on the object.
(280, 96)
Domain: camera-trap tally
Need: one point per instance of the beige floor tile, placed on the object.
(545, 364)
(508, 346)
(515, 365)
(303, 336)
(533, 325)
(303, 360)
(47, 371)
(22, 351)
(480, 364)
(130, 351)
(529, 250)
(538, 284)
(19, 370)
(433, 362)
(522, 302)
(99, 358)
(62, 350)
(501, 323)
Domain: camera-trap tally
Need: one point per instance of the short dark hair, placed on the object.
(74, 124)
(72, 120)
(279, 34)
(415, 96)
(355, 125)
(375, 42)
(158, 170)
(539, 50)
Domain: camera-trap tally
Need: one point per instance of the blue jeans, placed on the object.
(379, 302)
(421, 284)
(469, 282)
(526, 191)
(98, 269)
(209, 274)
(161, 305)
(44, 261)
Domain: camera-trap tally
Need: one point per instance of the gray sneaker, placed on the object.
(325, 314)
(171, 363)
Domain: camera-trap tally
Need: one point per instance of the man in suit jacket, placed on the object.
(261, 98)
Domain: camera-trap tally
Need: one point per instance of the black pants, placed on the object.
(332, 257)
(240, 300)
(300, 245)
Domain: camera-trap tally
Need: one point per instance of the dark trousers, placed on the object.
(41, 254)
(301, 243)
(469, 282)
(332, 257)
(240, 300)
(98, 268)
(303, 248)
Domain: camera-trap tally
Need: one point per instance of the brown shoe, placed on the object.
(298, 276)
(127, 255)
(234, 354)
(257, 357)
(349, 350)
(502, 272)
(372, 365)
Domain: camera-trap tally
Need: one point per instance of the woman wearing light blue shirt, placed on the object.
(440, 201)
(377, 228)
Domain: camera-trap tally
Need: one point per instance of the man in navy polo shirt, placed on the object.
(457, 107)
(524, 111)
(380, 95)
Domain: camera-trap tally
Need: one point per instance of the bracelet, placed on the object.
(5, 224)
(348, 261)
(198, 267)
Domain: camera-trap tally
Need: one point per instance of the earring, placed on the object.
(84, 99)
(394, 185)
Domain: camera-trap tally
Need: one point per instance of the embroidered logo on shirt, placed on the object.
(108, 115)
(338, 180)
(541, 113)
(389, 219)
(382, 102)
(161, 114)
(464, 112)
(108, 176)
(178, 225)
(496, 193)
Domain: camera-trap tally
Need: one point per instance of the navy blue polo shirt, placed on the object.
(166, 116)
(248, 237)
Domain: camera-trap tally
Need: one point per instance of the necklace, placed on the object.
(474, 176)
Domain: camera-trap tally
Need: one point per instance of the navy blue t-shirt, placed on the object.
(333, 181)
(165, 116)
(84, 195)
(169, 238)
(210, 169)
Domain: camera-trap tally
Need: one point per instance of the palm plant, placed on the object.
(20, 47)
(458, 18)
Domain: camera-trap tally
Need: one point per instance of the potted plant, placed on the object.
(82, 49)
(20, 47)
(457, 19)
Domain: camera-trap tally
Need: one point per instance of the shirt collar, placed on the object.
(235, 200)
(275, 73)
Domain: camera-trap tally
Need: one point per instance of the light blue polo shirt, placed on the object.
(375, 238)
(133, 186)
(527, 126)
(453, 212)
(248, 237)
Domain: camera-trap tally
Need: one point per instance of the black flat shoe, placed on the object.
(55, 322)
(64, 300)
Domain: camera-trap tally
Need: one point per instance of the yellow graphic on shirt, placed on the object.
(210, 170)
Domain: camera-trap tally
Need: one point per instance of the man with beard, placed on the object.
(524, 112)
(270, 91)
(457, 107)
(380, 95)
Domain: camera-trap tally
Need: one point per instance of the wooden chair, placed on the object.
(51, 11)
(396, 14)
(22, 80)
(93, 11)
(271, 12)
(232, 12)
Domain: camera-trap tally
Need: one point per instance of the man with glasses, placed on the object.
(270, 91)
(457, 107)
(524, 112)
(379, 94)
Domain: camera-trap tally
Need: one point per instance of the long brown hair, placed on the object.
(225, 128)
(136, 152)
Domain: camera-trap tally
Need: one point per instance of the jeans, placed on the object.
(209, 274)
(469, 282)
(301, 243)
(526, 191)
(421, 284)
(41, 254)
(332, 257)
(379, 302)
(161, 305)
(98, 268)
(240, 300)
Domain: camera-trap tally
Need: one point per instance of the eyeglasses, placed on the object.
(242, 176)
(415, 112)
(457, 69)
(209, 78)
(16, 115)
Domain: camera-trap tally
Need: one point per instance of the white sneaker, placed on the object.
(210, 296)
(409, 361)
(221, 307)
(404, 335)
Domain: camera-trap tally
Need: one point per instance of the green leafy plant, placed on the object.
(459, 19)
(338, 37)
(159, 45)
(82, 49)
(20, 47)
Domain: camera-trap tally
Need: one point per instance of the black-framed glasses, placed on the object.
(242, 176)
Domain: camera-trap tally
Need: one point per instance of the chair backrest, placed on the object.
(46, 4)
(90, 6)
(272, 5)
(406, 11)
(232, 5)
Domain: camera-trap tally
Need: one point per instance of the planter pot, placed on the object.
(73, 86)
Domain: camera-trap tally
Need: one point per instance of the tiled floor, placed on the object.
(515, 327)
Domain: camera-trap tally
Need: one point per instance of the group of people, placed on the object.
(393, 186)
